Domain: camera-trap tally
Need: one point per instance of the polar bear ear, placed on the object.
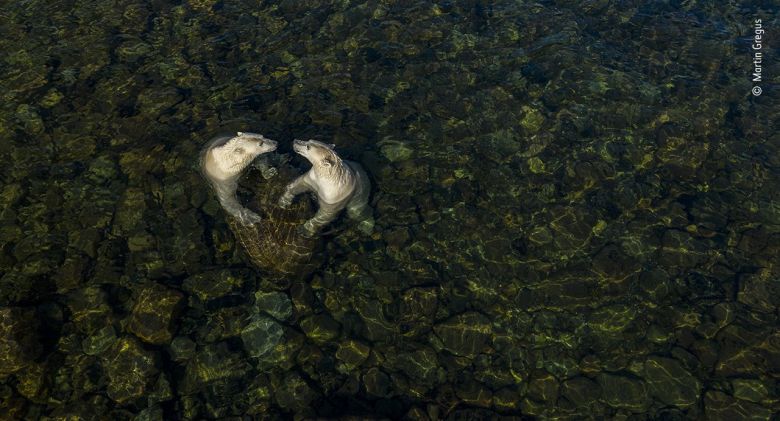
(326, 162)
(333, 146)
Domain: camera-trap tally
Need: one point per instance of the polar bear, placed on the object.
(337, 183)
(224, 160)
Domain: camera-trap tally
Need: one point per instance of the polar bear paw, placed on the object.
(285, 201)
(366, 226)
(307, 230)
(247, 217)
(269, 173)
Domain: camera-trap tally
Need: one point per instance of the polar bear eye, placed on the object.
(308, 146)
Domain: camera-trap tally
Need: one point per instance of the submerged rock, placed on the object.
(506, 399)
(421, 366)
(320, 328)
(182, 348)
(19, 342)
(624, 392)
(153, 314)
(395, 151)
(544, 388)
(31, 382)
(71, 273)
(130, 369)
(532, 119)
(581, 391)
(261, 336)
(214, 284)
(465, 334)
(89, 309)
(100, 341)
(223, 323)
(750, 389)
(295, 394)
(352, 354)
(377, 383)
(211, 363)
(418, 306)
(500, 146)
(719, 406)
(473, 393)
(759, 291)
(613, 319)
(671, 383)
(276, 304)
(376, 327)
(154, 413)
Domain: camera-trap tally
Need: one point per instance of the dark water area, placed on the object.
(576, 205)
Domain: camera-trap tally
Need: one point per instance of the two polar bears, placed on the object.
(336, 182)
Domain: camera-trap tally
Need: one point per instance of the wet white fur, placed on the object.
(328, 177)
(224, 160)
(338, 184)
(230, 159)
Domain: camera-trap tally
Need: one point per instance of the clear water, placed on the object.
(576, 205)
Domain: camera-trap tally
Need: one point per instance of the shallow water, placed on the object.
(576, 206)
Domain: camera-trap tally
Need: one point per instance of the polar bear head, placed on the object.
(228, 157)
(321, 155)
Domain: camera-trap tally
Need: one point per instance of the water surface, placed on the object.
(576, 206)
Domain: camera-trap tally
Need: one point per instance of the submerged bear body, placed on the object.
(338, 184)
(269, 234)
(275, 244)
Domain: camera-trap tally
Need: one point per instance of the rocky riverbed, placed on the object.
(576, 206)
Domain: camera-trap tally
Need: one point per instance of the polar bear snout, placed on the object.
(300, 147)
(254, 143)
(313, 150)
(268, 145)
